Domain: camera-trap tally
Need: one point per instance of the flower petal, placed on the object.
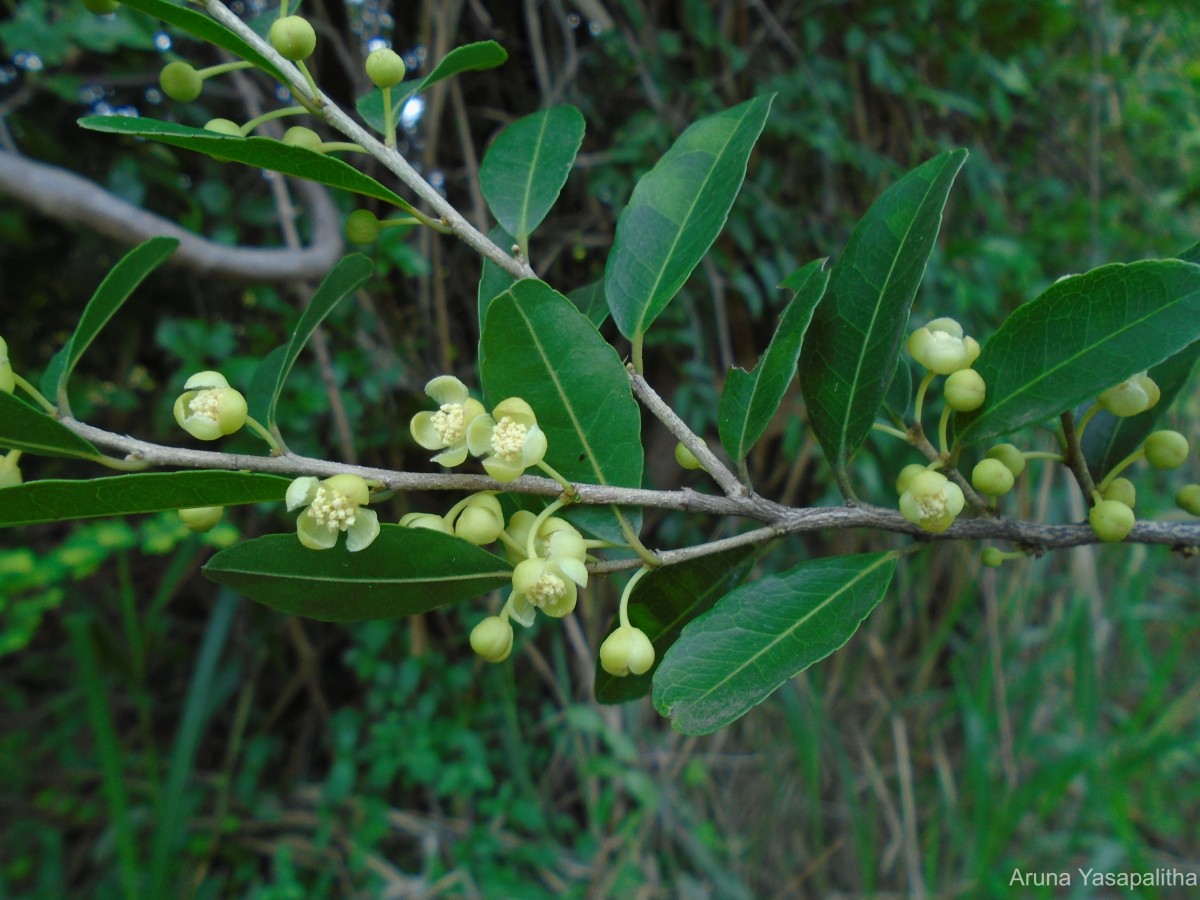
(313, 535)
(364, 530)
(455, 456)
(521, 609)
(564, 603)
(424, 432)
(202, 428)
(301, 492)
(535, 446)
(446, 389)
(573, 569)
(479, 435)
(502, 471)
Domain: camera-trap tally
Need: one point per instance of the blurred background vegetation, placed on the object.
(160, 737)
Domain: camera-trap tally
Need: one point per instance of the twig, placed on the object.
(1073, 454)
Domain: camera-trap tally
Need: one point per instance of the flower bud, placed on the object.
(1166, 449)
(940, 347)
(362, 227)
(907, 474)
(224, 126)
(201, 518)
(1132, 396)
(8, 381)
(992, 557)
(1188, 499)
(686, 458)
(426, 520)
(209, 408)
(965, 390)
(492, 639)
(101, 7)
(1008, 454)
(481, 521)
(385, 68)
(299, 136)
(180, 81)
(1111, 520)
(627, 650)
(1121, 489)
(293, 37)
(992, 477)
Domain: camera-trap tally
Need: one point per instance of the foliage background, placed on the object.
(158, 735)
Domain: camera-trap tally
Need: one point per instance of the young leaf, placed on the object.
(664, 601)
(851, 348)
(347, 276)
(138, 492)
(263, 153)
(527, 165)
(1109, 439)
(469, 57)
(750, 399)
(1082, 335)
(403, 572)
(206, 29)
(536, 345)
(760, 635)
(24, 428)
(676, 212)
(121, 281)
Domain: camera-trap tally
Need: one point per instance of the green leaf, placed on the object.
(493, 281)
(206, 29)
(137, 492)
(469, 57)
(590, 301)
(750, 399)
(664, 601)
(1109, 439)
(1082, 335)
(676, 212)
(536, 345)
(760, 635)
(403, 572)
(525, 168)
(121, 281)
(263, 153)
(347, 276)
(899, 397)
(24, 428)
(851, 348)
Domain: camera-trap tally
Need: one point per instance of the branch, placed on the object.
(391, 158)
(1033, 537)
(61, 194)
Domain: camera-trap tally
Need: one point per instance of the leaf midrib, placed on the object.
(522, 234)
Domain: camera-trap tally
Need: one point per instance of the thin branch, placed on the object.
(1073, 455)
(390, 158)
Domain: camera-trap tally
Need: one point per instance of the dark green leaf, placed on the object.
(1191, 254)
(24, 428)
(590, 301)
(254, 151)
(899, 397)
(536, 345)
(405, 571)
(494, 281)
(851, 348)
(1082, 335)
(137, 492)
(664, 601)
(676, 211)
(750, 399)
(469, 57)
(527, 165)
(121, 281)
(760, 635)
(206, 29)
(1109, 439)
(347, 276)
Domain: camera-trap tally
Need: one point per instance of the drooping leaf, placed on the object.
(1109, 439)
(664, 601)
(676, 212)
(851, 348)
(347, 276)
(24, 428)
(1082, 335)
(403, 572)
(469, 57)
(260, 152)
(590, 301)
(206, 29)
(536, 345)
(761, 634)
(121, 281)
(54, 500)
(525, 168)
(750, 399)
